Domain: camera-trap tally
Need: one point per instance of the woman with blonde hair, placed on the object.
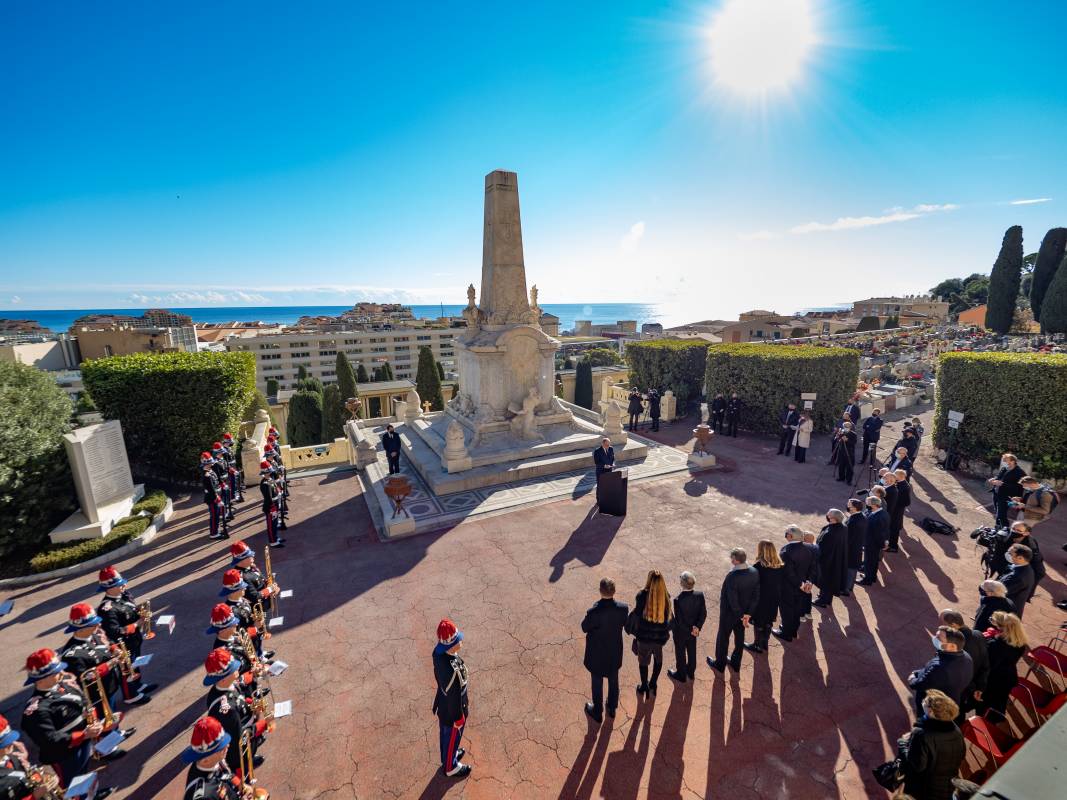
(1006, 643)
(769, 566)
(652, 608)
(934, 749)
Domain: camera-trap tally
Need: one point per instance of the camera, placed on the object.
(996, 542)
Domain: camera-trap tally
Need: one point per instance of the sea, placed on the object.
(59, 320)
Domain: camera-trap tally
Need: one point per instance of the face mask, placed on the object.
(981, 592)
(936, 642)
(1003, 464)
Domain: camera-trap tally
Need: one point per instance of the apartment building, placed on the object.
(280, 355)
(932, 307)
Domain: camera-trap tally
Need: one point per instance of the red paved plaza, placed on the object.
(807, 720)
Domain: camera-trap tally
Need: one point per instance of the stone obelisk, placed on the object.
(504, 300)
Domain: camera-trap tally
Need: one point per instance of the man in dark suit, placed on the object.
(801, 567)
(1019, 580)
(603, 625)
(654, 407)
(876, 537)
(892, 496)
(857, 532)
(896, 518)
(604, 456)
(845, 454)
(872, 432)
(737, 603)
(718, 412)
(852, 408)
(899, 459)
(974, 645)
(1005, 485)
(733, 414)
(788, 419)
(833, 557)
(950, 671)
(690, 613)
(908, 442)
(391, 445)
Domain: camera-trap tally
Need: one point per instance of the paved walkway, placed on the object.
(808, 720)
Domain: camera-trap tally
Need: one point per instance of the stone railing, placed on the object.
(316, 455)
(668, 405)
(252, 447)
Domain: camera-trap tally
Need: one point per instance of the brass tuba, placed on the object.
(91, 679)
(44, 782)
(248, 772)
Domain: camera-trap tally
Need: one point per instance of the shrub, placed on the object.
(386, 372)
(305, 418)
(301, 372)
(892, 322)
(675, 364)
(333, 414)
(1004, 281)
(171, 405)
(85, 404)
(428, 381)
(309, 385)
(869, 324)
(361, 374)
(36, 487)
(272, 387)
(257, 403)
(1012, 402)
(583, 384)
(153, 502)
(767, 377)
(57, 556)
(603, 357)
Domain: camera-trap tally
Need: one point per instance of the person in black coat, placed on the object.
(934, 750)
(634, 407)
(1021, 533)
(908, 441)
(833, 557)
(857, 533)
(899, 459)
(450, 701)
(950, 671)
(1007, 644)
(718, 412)
(892, 494)
(876, 536)
(1005, 485)
(391, 446)
(738, 601)
(788, 420)
(690, 614)
(845, 452)
(799, 573)
(896, 517)
(974, 645)
(771, 572)
(733, 414)
(654, 615)
(654, 408)
(604, 456)
(872, 432)
(993, 598)
(852, 408)
(1019, 580)
(603, 626)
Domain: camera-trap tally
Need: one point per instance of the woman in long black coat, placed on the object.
(993, 599)
(934, 750)
(1005, 648)
(769, 566)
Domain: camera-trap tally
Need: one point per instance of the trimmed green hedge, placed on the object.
(1012, 402)
(767, 376)
(172, 406)
(675, 364)
(57, 556)
(153, 502)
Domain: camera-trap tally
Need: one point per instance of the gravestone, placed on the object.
(102, 478)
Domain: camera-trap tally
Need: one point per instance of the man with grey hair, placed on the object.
(833, 557)
(799, 570)
(994, 597)
(875, 539)
(690, 614)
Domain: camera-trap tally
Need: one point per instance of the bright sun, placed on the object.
(760, 46)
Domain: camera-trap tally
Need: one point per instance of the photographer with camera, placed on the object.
(845, 452)
(1037, 500)
(1005, 485)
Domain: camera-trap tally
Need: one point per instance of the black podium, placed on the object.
(611, 492)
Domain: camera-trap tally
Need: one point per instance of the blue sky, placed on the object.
(266, 153)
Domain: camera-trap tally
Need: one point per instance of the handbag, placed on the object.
(890, 775)
(631, 622)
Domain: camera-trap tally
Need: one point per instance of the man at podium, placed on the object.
(604, 456)
(610, 483)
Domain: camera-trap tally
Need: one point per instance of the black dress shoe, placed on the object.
(642, 688)
(102, 793)
(592, 713)
(148, 688)
(277, 545)
(752, 647)
(736, 667)
(460, 752)
(715, 665)
(652, 689)
(779, 634)
(268, 654)
(821, 605)
(257, 760)
(128, 732)
(611, 712)
(114, 755)
(675, 675)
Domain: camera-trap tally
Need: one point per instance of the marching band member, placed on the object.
(209, 777)
(120, 616)
(260, 588)
(218, 466)
(15, 767)
(90, 648)
(229, 452)
(233, 591)
(272, 500)
(224, 625)
(227, 704)
(213, 497)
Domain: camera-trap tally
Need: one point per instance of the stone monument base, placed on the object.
(77, 526)
(701, 461)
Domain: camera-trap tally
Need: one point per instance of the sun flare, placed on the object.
(760, 46)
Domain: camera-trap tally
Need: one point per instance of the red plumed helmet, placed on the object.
(221, 614)
(231, 578)
(446, 630)
(39, 659)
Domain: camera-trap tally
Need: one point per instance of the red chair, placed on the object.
(1048, 667)
(1032, 707)
(989, 740)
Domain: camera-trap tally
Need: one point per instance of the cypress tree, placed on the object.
(1053, 247)
(440, 370)
(346, 381)
(891, 322)
(1054, 307)
(1004, 282)
(428, 380)
(272, 387)
(361, 374)
(301, 372)
(377, 376)
(583, 384)
(387, 372)
(333, 413)
(305, 418)
(869, 324)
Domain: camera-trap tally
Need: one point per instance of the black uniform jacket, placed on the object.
(54, 720)
(603, 626)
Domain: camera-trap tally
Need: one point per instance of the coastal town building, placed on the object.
(120, 340)
(933, 308)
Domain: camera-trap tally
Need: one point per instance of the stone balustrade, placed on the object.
(668, 405)
(316, 455)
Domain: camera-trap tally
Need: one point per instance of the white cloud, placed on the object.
(633, 237)
(759, 236)
(15, 300)
(1029, 202)
(892, 215)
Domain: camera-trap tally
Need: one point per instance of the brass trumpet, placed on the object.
(91, 678)
(144, 623)
(272, 582)
(248, 773)
(259, 619)
(44, 782)
(123, 658)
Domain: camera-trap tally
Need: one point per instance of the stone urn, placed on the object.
(703, 434)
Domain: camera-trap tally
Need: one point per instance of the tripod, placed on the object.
(872, 468)
(839, 452)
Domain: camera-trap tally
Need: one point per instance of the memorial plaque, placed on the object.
(101, 469)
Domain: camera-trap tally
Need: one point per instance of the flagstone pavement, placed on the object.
(808, 720)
